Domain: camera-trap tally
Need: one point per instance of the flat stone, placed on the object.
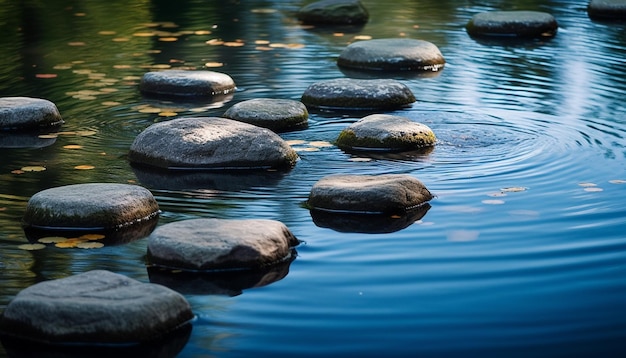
(334, 12)
(95, 307)
(202, 143)
(279, 115)
(607, 10)
(25, 113)
(358, 94)
(513, 23)
(220, 244)
(386, 132)
(392, 55)
(186, 83)
(373, 194)
(95, 206)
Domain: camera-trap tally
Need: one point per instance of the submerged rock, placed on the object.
(95, 307)
(97, 206)
(25, 113)
(358, 94)
(371, 194)
(386, 132)
(278, 115)
(392, 55)
(186, 83)
(219, 244)
(202, 143)
(334, 12)
(513, 23)
(614, 10)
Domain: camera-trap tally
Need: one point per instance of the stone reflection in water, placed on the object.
(368, 223)
(26, 140)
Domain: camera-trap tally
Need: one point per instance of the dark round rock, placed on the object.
(614, 10)
(513, 23)
(334, 12)
(357, 94)
(186, 83)
(371, 194)
(97, 206)
(395, 54)
(95, 307)
(220, 244)
(25, 113)
(202, 143)
(278, 115)
(386, 132)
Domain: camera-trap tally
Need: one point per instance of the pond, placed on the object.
(522, 252)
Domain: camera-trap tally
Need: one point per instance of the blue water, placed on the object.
(522, 253)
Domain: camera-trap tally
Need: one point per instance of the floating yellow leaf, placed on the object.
(263, 11)
(108, 90)
(359, 159)
(121, 39)
(514, 189)
(72, 146)
(168, 39)
(161, 66)
(17, 171)
(294, 46)
(80, 14)
(76, 43)
(89, 245)
(66, 133)
(85, 133)
(202, 32)
(84, 167)
(233, 44)
(66, 244)
(396, 216)
(306, 149)
(320, 144)
(48, 136)
(493, 202)
(167, 114)
(213, 64)
(106, 32)
(338, 34)
(261, 42)
(31, 247)
(362, 37)
(214, 42)
(34, 168)
(52, 239)
(110, 103)
(131, 78)
(46, 75)
(150, 110)
(143, 34)
(296, 141)
(263, 48)
(122, 67)
(92, 237)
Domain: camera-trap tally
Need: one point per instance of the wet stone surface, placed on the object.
(220, 244)
(334, 12)
(386, 132)
(392, 55)
(90, 206)
(202, 143)
(614, 10)
(358, 94)
(279, 115)
(186, 83)
(25, 113)
(513, 23)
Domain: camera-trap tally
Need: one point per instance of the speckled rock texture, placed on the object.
(334, 12)
(186, 83)
(25, 113)
(279, 115)
(613, 10)
(513, 23)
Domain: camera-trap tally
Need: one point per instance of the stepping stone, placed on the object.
(96, 307)
(202, 143)
(386, 132)
(97, 206)
(279, 115)
(368, 194)
(614, 10)
(392, 55)
(512, 23)
(334, 12)
(25, 113)
(219, 244)
(357, 94)
(186, 83)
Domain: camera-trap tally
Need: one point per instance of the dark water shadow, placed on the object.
(363, 74)
(228, 283)
(389, 153)
(112, 237)
(166, 346)
(511, 40)
(24, 140)
(188, 102)
(217, 179)
(367, 223)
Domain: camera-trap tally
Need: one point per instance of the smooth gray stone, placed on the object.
(95, 307)
(210, 143)
(186, 83)
(90, 206)
(392, 55)
(25, 113)
(278, 115)
(220, 244)
(373, 194)
(614, 10)
(357, 94)
(513, 23)
(334, 12)
(386, 132)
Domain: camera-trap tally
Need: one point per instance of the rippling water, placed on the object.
(522, 253)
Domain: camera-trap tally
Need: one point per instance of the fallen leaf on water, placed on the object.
(31, 247)
(52, 239)
(76, 43)
(514, 189)
(306, 149)
(17, 171)
(167, 114)
(106, 32)
(121, 39)
(85, 133)
(110, 103)
(48, 136)
(84, 167)
(320, 143)
(587, 184)
(92, 237)
(296, 141)
(161, 66)
(213, 64)
(359, 159)
(202, 32)
(34, 168)
(362, 37)
(150, 110)
(233, 44)
(593, 189)
(46, 75)
(168, 39)
(263, 11)
(89, 245)
(72, 146)
(617, 181)
(261, 42)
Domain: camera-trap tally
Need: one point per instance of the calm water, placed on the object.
(537, 269)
